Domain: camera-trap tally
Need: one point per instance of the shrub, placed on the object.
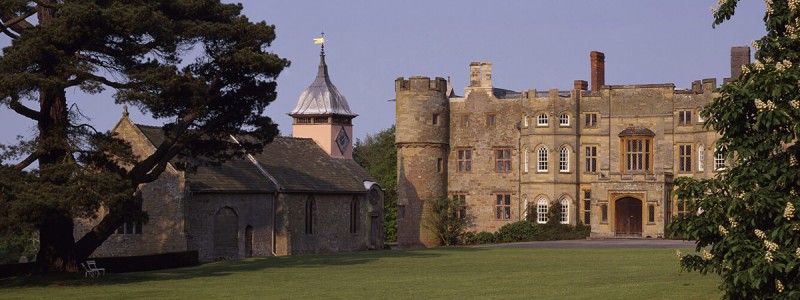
(444, 220)
(521, 231)
(484, 237)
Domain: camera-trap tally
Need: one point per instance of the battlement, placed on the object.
(420, 84)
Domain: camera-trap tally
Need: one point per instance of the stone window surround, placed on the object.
(641, 154)
(542, 206)
(591, 119)
(587, 206)
(563, 120)
(564, 210)
(541, 159)
(701, 157)
(685, 155)
(590, 159)
(685, 117)
(502, 160)
(563, 159)
(719, 161)
(541, 120)
(463, 159)
(502, 206)
(526, 160)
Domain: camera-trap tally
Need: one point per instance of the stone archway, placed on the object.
(628, 217)
(226, 234)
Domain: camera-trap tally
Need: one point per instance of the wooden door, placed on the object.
(628, 215)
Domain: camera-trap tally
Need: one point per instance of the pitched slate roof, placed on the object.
(286, 165)
(636, 131)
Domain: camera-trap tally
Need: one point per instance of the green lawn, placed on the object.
(432, 273)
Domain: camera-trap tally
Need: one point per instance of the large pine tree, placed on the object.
(200, 66)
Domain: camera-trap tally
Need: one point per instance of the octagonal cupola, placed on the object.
(322, 114)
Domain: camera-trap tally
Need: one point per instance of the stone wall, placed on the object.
(254, 210)
(330, 228)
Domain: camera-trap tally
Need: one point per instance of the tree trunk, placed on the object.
(56, 245)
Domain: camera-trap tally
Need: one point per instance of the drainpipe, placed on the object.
(274, 236)
(519, 171)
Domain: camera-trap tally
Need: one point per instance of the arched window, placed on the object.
(541, 163)
(541, 120)
(563, 120)
(719, 161)
(525, 157)
(526, 208)
(248, 241)
(541, 211)
(310, 215)
(564, 211)
(525, 120)
(563, 160)
(701, 154)
(354, 215)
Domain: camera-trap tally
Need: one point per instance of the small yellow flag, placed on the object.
(319, 41)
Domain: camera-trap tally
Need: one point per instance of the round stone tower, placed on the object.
(422, 139)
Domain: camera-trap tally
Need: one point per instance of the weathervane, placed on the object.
(321, 41)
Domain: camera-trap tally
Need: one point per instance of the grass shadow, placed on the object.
(225, 268)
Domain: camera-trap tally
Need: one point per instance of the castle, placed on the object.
(604, 156)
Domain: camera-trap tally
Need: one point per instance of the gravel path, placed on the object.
(606, 243)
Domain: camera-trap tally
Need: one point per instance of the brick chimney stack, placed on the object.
(581, 85)
(598, 70)
(739, 56)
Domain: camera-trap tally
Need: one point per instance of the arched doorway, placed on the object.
(628, 217)
(226, 234)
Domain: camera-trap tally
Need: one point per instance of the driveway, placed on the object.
(600, 243)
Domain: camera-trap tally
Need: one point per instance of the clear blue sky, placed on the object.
(532, 44)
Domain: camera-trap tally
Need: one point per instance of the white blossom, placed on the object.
(768, 256)
(745, 69)
(760, 234)
(733, 222)
(758, 65)
(723, 230)
(771, 246)
(793, 4)
(755, 44)
(797, 252)
(707, 255)
(788, 212)
(795, 104)
(779, 285)
(770, 10)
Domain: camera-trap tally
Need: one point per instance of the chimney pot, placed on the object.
(581, 85)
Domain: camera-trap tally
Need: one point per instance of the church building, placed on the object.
(604, 156)
(301, 194)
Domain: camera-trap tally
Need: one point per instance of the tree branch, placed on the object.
(16, 23)
(86, 76)
(27, 161)
(23, 110)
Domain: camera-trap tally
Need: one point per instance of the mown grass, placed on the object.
(455, 272)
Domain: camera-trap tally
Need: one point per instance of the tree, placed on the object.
(445, 220)
(137, 49)
(744, 220)
(378, 155)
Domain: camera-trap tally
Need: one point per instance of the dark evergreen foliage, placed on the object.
(199, 66)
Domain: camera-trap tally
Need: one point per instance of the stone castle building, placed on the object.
(604, 156)
(302, 194)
